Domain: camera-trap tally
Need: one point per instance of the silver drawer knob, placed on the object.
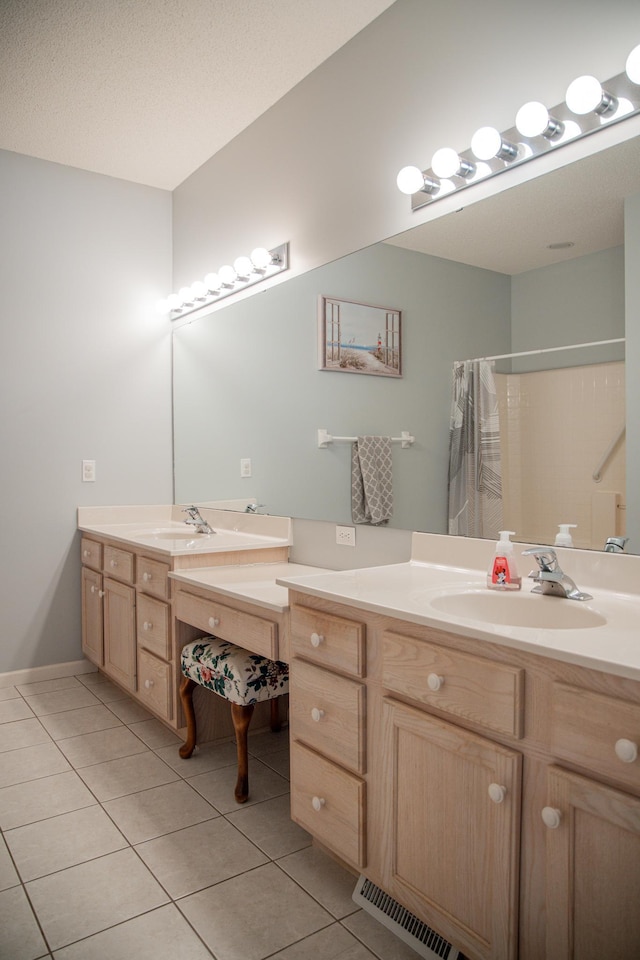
(497, 792)
(316, 639)
(318, 803)
(626, 750)
(317, 714)
(213, 622)
(434, 682)
(551, 817)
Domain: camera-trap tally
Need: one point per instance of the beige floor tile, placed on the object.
(8, 875)
(92, 678)
(73, 723)
(38, 799)
(47, 686)
(199, 856)
(162, 934)
(252, 916)
(270, 827)
(384, 944)
(117, 778)
(14, 709)
(63, 841)
(31, 763)
(155, 734)
(279, 761)
(332, 943)
(93, 896)
(266, 742)
(129, 711)
(207, 756)
(9, 693)
(22, 733)
(107, 692)
(218, 786)
(100, 746)
(59, 700)
(161, 810)
(323, 878)
(20, 937)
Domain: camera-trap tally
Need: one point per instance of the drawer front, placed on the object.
(154, 684)
(153, 577)
(327, 712)
(253, 633)
(152, 626)
(91, 553)
(119, 564)
(328, 640)
(329, 803)
(478, 690)
(597, 732)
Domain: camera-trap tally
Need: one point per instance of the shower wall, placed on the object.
(555, 428)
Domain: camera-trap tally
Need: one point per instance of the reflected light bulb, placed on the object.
(243, 266)
(185, 294)
(633, 65)
(261, 258)
(212, 282)
(410, 180)
(584, 95)
(174, 301)
(227, 274)
(198, 290)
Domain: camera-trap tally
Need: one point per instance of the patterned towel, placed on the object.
(371, 481)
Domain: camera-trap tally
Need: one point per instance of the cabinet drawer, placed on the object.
(253, 633)
(478, 690)
(328, 640)
(329, 803)
(587, 729)
(118, 563)
(154, 684)
(91, 553)
(153, 577)
(152, 625)
(328, 713)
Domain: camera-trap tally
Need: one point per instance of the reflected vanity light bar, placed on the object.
(590, 106)
(245, 272)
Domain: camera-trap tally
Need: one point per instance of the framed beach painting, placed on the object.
(359, 338)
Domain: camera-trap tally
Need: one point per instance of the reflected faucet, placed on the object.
(550, 578)
(196, 520)
(616, 544)
(253, 507)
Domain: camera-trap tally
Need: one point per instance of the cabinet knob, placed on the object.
(626, 750)
(146, 577)
(551, 817)
(213, 622)
(113, 563)
(497, 792)
(317, 714)
(86, 553)
(93, 588)
(147, 625)
(148, 684)
(318, 803)
(101, 593)
(434, 682)
(316, 639)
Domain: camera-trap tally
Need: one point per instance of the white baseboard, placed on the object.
(51, 672)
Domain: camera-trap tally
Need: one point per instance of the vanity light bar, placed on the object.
(245, 272)
(589, 107)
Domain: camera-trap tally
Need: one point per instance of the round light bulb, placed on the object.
(486, 143)
(410, 180)
(584, 95)
(261, 258)
(445, 162)
(185, 294)
(174, 301)
(227, 274)
(243, 266)
(633, 65)
(212, 282)
(532, 119)
(198, 290)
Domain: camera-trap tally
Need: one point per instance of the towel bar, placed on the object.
(324, 439)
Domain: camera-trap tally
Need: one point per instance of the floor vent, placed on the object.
(420, 937)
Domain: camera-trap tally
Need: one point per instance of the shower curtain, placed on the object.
(475, 467)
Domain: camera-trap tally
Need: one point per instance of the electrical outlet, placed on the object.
(245, 467)
(346, 536)
(88, 471)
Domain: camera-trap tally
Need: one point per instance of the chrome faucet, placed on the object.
(196, 520)
(615, 544)
(550, 578)
(253, 507)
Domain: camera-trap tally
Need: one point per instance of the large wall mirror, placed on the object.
(536, 267)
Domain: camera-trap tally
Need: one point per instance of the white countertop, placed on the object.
(255, 583)
(406, 591)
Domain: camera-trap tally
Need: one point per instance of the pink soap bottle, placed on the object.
(503, 572)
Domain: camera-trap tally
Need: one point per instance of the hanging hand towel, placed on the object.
(371, 481)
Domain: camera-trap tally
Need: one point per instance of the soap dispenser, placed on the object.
(503, 573)
(563, 537)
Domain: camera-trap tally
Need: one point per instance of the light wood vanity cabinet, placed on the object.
(502, 788)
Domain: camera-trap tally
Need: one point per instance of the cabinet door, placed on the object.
(593, 870)
(451, 847)
(120, 633)
(92, 616)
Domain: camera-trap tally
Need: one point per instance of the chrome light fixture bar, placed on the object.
(245, 272)
(589, 107)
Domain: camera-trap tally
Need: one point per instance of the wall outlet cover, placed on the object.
(346, 536)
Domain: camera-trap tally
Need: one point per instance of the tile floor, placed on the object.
(111, 846)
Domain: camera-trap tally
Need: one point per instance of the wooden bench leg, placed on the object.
(241, 715)
(276, 725)
(186, 695)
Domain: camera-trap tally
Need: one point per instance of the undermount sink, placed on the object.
(171, 533)
(515, 609)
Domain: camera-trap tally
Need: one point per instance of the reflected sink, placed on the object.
(514, 609)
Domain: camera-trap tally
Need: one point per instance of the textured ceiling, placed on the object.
(148, 90)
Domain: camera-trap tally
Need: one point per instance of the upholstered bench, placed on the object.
(239, 676)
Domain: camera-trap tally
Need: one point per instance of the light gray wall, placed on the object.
(85, 374)
(632, 277)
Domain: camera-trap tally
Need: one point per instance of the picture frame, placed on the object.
(356, 337)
